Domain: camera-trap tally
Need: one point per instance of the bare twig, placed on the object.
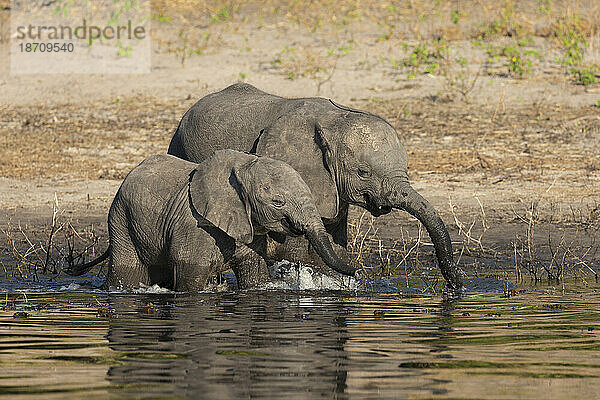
(53, 230)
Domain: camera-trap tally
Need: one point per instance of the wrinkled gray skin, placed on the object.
(345, 156)
(175, 223)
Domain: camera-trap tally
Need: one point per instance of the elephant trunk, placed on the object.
(404, 197)
(319, 240)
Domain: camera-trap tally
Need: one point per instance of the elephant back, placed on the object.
(155, 180)
(230, 119)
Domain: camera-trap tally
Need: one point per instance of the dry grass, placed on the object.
(556, 259)
(525, 143)
(101, 141)
(407, 258)
(107, 140)
(403, 17)
(49, 249)
(188, 28)
(536, 252)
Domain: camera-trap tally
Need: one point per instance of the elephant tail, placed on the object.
(76, 270)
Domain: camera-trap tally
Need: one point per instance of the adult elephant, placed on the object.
(346, 156)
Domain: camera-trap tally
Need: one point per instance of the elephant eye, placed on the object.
(278, 201)
(363, 172)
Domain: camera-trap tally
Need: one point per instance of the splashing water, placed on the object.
(287, 275)
(284, 275)
(153, 289)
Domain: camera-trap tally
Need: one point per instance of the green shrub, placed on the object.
(518, 60)
(570, 34)
(585, 75)
(425, 59)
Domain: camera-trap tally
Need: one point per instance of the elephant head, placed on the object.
(244, 195)
(353, 157)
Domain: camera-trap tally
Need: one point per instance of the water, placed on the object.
(80, 342)
(285, 275)
(307, 335)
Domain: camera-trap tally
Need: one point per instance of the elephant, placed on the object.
(176, 223)
(345, 156)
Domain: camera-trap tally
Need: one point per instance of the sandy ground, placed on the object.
(512, 154)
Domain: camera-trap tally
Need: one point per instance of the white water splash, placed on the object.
(154, 289)
(70, 287)
(286, 275)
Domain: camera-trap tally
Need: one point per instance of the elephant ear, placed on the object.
(299, 141)
(218, 195)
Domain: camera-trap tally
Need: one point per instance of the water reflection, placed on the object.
(274, 344)
(238, 345)
(303, 345)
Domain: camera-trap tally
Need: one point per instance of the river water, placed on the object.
(63, 340)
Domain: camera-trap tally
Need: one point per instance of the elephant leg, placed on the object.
(190, 275)
(338, 230)
(191, 261)
(125, 268)
(249, 264)
(294, 249)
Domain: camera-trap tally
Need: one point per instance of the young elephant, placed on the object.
(174, 223)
